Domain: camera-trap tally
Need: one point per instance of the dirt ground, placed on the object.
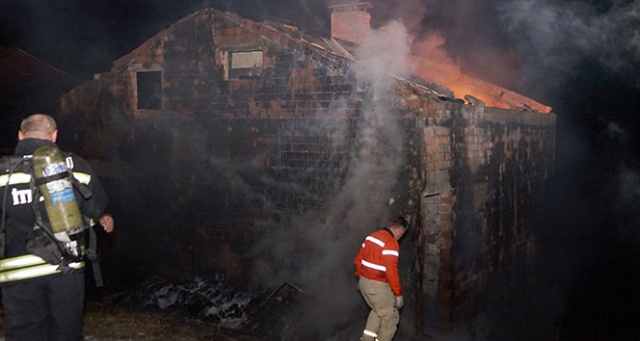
(108, 323)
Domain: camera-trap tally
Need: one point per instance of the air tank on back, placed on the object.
(59, 198)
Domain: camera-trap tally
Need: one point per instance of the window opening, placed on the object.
(149, 90)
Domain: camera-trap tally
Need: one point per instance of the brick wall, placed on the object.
(484, 171)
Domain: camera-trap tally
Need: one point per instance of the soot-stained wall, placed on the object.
(234, 147)
(484, 171)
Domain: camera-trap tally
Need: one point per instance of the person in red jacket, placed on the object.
(379, 283)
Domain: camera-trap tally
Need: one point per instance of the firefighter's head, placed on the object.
(398, 226)
(38, 126)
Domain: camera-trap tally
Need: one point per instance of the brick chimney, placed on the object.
(350, 21)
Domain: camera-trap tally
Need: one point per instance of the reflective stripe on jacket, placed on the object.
(378, 259)
(29, 266)
(25, 178)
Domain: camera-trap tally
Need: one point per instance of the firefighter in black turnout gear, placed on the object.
(41, 268)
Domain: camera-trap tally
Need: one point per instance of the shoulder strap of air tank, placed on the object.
(82, 188)
(50, 178)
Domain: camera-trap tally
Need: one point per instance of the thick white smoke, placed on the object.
(383, 55)
(375, 165)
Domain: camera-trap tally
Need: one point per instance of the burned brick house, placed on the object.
(256, 151)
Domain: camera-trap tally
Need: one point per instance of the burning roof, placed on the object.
(443, 71)
(350, 24)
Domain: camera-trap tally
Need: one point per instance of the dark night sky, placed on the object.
(582, 57)
(83, 37)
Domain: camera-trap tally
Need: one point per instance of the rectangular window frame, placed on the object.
(243, 64)
(149, 91)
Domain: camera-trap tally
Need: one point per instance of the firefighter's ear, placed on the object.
(54, 135)
(20, 135)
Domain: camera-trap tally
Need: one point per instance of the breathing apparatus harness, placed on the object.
(58, 233)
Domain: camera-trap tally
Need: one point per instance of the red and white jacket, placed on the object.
(378, 259)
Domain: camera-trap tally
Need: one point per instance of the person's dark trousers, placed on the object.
(44, 309)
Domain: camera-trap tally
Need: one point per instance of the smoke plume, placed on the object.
(556, 35)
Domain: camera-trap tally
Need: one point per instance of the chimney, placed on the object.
(350, 21)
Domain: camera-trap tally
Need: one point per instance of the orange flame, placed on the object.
(431, 63)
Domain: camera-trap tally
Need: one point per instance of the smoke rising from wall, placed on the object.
(378, 157)
(375, 165)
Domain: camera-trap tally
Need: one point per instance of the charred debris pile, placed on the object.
(263, 314)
